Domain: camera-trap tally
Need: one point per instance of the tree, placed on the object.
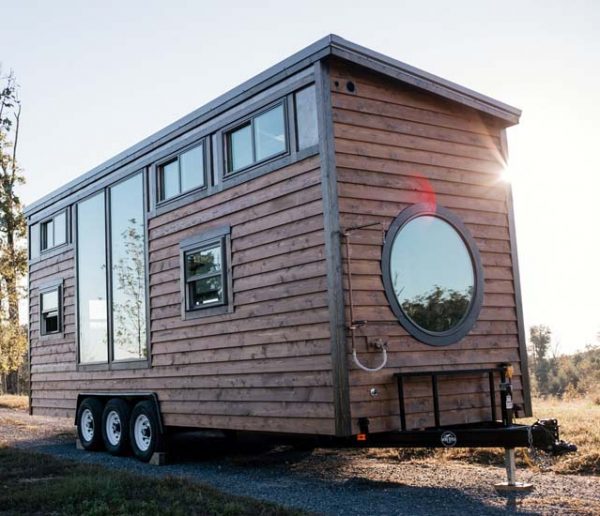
(540, 338)
(13, 253)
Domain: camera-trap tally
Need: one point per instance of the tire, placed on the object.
(144, 431)
(89, 424)
(115, 426)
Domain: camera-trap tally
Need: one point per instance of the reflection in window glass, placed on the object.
(91, 280)
(60, 228)
(269, 133)
(49, 312)
(204, 277)
(240, 148)
(48, 234)
(192, 168)
(306, 117)
(34, 241)
(128, 278)
(203, 262)
(170, 180)
(432, 273)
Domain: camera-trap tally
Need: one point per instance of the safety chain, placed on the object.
(538, 458)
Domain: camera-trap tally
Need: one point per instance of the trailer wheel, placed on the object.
(144, 431)
(89, 422)
(115, 426)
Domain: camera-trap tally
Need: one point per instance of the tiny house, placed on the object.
(326, 250)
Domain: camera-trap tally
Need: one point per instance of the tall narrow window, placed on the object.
(257, 139)
(306, 117)
(34, 241)
(128, 275)
(91, 280)
(50, 311)
(182, 173)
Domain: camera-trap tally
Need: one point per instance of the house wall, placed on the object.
(267, 365)
(396, 146)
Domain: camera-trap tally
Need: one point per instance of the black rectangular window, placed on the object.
(182, 173)
(205, 278)
(54, 231)
(261, 137)
(50, 311)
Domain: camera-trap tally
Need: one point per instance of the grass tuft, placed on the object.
(11, 401)
(34, 484)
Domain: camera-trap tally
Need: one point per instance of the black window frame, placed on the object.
(459, 331)
(43, 224)
(111, 363)
(249, 121)
(159, 171)
(219, 236)
(47, 289)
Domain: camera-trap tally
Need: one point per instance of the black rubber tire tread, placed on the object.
(95, 406)
(121, 407)
(146, 407)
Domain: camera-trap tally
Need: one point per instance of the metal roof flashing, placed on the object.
(331, 45)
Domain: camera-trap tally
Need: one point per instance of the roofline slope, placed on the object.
(329, 45)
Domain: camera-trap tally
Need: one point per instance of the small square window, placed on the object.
(258, 139)
(53, 232)
(204, 276)
(206, 284)
(50, 311)
(182, 174)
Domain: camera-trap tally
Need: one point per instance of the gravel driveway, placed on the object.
(326, 481)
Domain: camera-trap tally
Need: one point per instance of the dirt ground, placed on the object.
(329, 481)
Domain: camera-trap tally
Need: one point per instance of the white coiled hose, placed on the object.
(370, 369)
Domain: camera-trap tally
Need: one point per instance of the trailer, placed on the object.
(326, 251)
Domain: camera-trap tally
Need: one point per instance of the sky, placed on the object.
(98, 76)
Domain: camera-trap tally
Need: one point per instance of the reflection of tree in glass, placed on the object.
(130, 312)
(439, 310)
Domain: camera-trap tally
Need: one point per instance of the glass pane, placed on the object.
(170, 180)
(203, 262)
(91, 280)
(47, 235)
(306, 117)
(269, 133)
(60, 228)
(50, 322)
(50, 301)
(34, 241)
(128, 269)
(432, 273)
(192, 168)
(240, 148)
(205, 291)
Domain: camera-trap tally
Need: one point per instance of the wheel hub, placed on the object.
(113, 428)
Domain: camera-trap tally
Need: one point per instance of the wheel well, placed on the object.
(129, 397)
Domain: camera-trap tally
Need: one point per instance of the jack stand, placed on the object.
(512, 486)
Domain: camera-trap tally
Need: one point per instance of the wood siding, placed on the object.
(267, 365)
(396, 146)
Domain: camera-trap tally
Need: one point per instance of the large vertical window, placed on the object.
(128, 269)
(91, 280)
(257, 139)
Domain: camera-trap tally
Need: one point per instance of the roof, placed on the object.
(330, 45)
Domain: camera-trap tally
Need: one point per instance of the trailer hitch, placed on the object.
(545, 435)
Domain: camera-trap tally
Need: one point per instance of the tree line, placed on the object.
(553, 374)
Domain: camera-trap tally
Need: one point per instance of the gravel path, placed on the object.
(326, 481)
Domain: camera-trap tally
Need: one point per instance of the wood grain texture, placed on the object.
(396, 146)
(264, 366)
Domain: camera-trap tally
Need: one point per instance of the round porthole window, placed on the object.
(432, 274)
